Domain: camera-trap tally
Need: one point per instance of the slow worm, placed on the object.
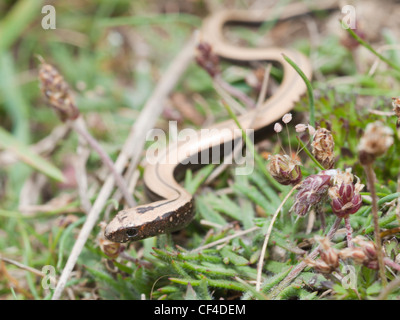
(173, 208)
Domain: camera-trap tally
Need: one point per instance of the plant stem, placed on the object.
(310, 91)
(371, 186)
(349, 232)
(367, 45)
(225, 239)
(79, 126)
(398, 200)
(389, 288)
(304, 148)
(391, 263)
(267, 235)
(23, 266)
(297, 269)
(244, 98)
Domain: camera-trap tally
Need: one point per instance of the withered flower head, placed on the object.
(328, 254)
(396, 106)
(376, 140)
(322, 147)
(312, 191)
(110, 248)
(365, 253)
(345, 195)
(329, 261)
(56, 91)
(319, 265)
(284, 169)
(396, 109)
(368, 247)
(354, 253)
(206, 59)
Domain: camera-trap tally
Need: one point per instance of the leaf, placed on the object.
(17, 19)
(374, 289)
(234, 258)
(257, 197)
(272, 281)
(119, 284)
(192, 184)
(265, 188)
(210, 268)
(123, 267)
(226, 284)
(305, 295)
(225, 205)
(190, 293)
(25, 154)
(252, 292)
(208, 213)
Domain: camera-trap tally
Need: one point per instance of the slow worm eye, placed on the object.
(131, 232)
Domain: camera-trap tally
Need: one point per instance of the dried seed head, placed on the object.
(284, 169)
(206, 59)
(368, 247)
(355, 254)
(345, 195)
(56, 91)
(311, 193)
(340, 177)
(320, 265)
(322, 147)
(365, 253)
(328, 254)
(376, 140)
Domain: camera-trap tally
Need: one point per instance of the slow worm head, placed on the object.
(149, 220)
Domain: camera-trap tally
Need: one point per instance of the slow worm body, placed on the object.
(173, 208)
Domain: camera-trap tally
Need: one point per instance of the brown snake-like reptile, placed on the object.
(176, 207)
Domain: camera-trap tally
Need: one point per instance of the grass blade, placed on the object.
(368, 46)
(310, 91)
(7, 141)
(22, 13)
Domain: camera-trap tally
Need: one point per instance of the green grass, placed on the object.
(113, 79)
